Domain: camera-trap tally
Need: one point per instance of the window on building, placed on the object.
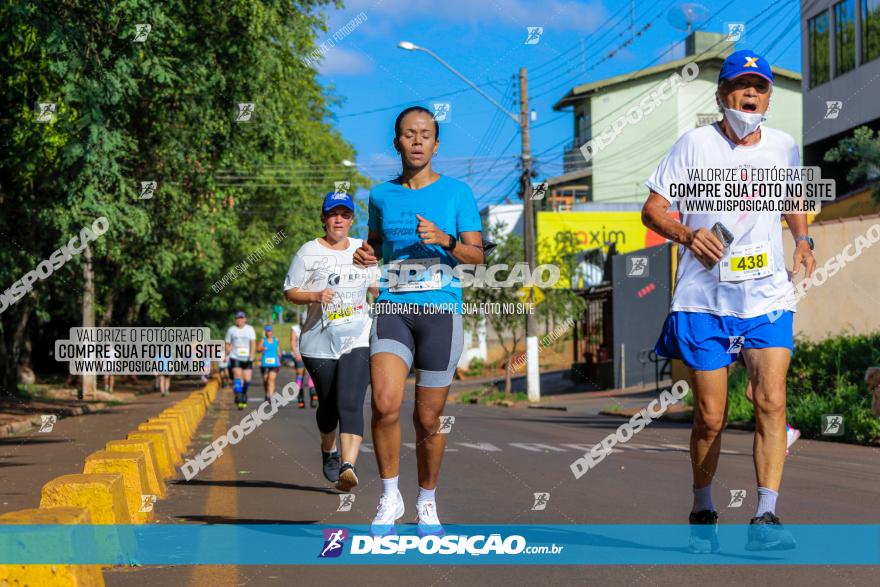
(845, 41)
(820, 50)
(582, 132)
(870, 30)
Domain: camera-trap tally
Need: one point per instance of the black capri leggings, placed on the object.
(341, 385)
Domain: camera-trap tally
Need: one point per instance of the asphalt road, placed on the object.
(497, 459)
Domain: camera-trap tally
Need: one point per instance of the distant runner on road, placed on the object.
(336, 334)
(421, 219)
(270, 362)
(304, 383)
(731, 297)
(241, 343)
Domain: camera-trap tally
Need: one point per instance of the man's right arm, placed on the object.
(701, 242)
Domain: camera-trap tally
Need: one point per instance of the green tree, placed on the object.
(160, 110)
(862, 151)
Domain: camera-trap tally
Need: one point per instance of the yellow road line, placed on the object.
(222, 502)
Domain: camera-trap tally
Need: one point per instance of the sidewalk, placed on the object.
(30, 459)
(558, 391)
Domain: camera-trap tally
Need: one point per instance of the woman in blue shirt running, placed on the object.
(421, 219)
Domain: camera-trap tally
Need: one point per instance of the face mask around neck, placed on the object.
(743, 123)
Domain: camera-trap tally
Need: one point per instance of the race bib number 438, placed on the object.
(745, 262)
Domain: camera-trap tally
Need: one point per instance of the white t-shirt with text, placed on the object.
(240, 339)
(698, 289)
(331, 330)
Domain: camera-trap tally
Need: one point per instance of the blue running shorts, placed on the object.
(706, 342)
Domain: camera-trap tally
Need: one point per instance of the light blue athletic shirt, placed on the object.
(271, 357)
(449, 204)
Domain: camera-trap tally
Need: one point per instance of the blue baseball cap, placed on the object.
(333, 199)
(268, 328)
(743, 63)
(240, 314)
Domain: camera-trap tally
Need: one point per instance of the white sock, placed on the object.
(766, 501)
(426, 494)
(389, 486)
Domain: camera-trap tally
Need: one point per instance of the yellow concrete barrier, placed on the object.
(132, 467)
(170, 439)
(57, 574)
(198, 406)
(202, 396)
(174, 426)
(182, 419)
(103, 494)
(162, 448)
(155, 484)
(194, 409)
(212, 388)
(200, 401)
(188, 413)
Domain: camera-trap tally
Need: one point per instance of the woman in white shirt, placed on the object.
(335, 336)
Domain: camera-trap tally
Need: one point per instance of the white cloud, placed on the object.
(584, 17)
(339, 61)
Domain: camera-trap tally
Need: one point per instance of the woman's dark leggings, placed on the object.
(341, 385)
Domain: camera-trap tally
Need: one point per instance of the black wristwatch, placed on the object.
(809, 240)
(452, 242)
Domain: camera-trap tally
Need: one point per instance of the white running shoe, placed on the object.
(791, 436)
(389, 511)
(426, 517)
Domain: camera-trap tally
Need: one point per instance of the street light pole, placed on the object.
(533, 377)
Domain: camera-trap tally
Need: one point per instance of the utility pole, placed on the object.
(533, 375)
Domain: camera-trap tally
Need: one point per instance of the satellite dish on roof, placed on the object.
(686, 15)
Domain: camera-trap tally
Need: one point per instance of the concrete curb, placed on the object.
(112, 487)
(30, 422)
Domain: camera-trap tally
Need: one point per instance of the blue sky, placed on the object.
(485, 40)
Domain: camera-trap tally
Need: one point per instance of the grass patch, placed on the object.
(825, 377)
(489, 394)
